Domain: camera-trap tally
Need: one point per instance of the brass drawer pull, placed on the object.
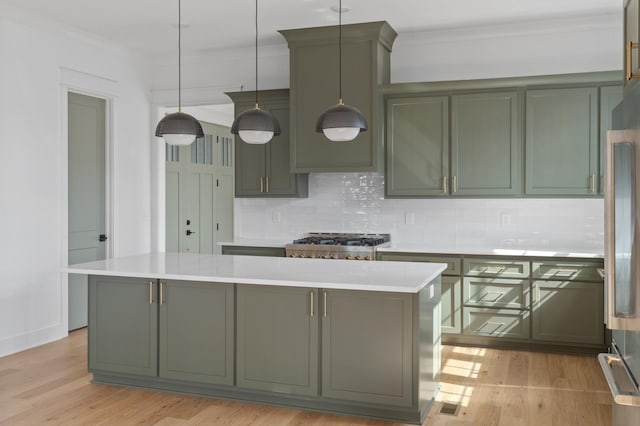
(311, 304)
(267, 181)
(161, 292)
(444, 184)
(151, 292)
(324, 311)
(261, 184)
(455, 183)
(593, 183)
(629, 74)
(494, 269)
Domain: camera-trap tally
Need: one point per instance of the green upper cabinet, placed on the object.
(631, 57)
(417, 146)
(610, 97)
(263, 170)
(485, 144)
(314, 66)
(482, 157)
(562, 141)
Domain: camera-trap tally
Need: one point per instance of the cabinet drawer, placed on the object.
(496, 322)
(506, 268)
(254, 251)
(453, 263)
(496, 292)
(571, 271)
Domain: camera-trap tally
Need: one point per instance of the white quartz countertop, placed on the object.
(420, 248)
(402, 277)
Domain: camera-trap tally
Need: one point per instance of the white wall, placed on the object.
(35, 55)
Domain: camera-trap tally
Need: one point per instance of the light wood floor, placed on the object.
(50, 384)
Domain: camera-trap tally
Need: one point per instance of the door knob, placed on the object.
(102, 237)
(189, 232)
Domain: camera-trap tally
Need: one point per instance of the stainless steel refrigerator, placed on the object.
(622, 260)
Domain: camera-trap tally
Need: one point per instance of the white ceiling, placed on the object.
(149, 26)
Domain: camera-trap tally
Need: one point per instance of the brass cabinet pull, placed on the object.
(455, 183)
(311, 303)
(444, 184)
(629, 74)
(151, 292)
(593, 182)
(261, 185)
(161, 292)
(267, 180)
(324, 307)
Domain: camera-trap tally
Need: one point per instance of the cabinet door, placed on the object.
(277, 339)
(562, 141)
(451, 305)
(123, 325)
(250, 167)
(631, 34)
(568, 311)
(485, 144)
(366, 346)
(417, 146)
(280, 181)
(610, 97)
(196, 331)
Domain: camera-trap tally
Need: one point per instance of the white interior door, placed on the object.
(87, 235)
(199, 192)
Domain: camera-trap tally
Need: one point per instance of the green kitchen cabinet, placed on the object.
(314, 66)
(417, 146)
(196, 331)
(262, 170)
(123, 325)
(568, 311)
(630, 56)
(253, 250)
(367, 346)
(610, 97)
(277, 339)
(486, 148)
(451, 286)
(481, 156)
(562, 141)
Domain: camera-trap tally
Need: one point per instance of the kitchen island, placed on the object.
(359, 338)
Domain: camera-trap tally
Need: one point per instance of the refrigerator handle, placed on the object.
(622, 387)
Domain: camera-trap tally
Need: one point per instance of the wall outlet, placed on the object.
(505, 219)
(275, 217)
(409, 218)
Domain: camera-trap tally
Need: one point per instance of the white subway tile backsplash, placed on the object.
(354, 202)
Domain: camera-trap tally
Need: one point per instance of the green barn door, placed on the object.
(199, 192)
(86, 167)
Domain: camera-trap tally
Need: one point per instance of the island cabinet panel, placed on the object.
(367, 347)
(417, 146)
(123, 325)
(562, 141)
(196, 331)
(254, 251)
(485, 144)
(568, 311)
(277, 339)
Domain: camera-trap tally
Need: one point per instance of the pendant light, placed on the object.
(256, 126)
(179, 128)
(341, 123)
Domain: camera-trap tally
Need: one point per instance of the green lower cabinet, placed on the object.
(123, 325)
(196, 332)
(496, 292)
(504, 323)
(254, 251)
(367, 347)
(450, 306)
(277, 339)
(568, 311)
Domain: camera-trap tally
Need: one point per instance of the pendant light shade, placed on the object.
(341, 123)
(256, 126)
(179, 128)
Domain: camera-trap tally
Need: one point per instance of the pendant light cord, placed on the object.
(179, 60)
(256, 54)
(340, 51)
